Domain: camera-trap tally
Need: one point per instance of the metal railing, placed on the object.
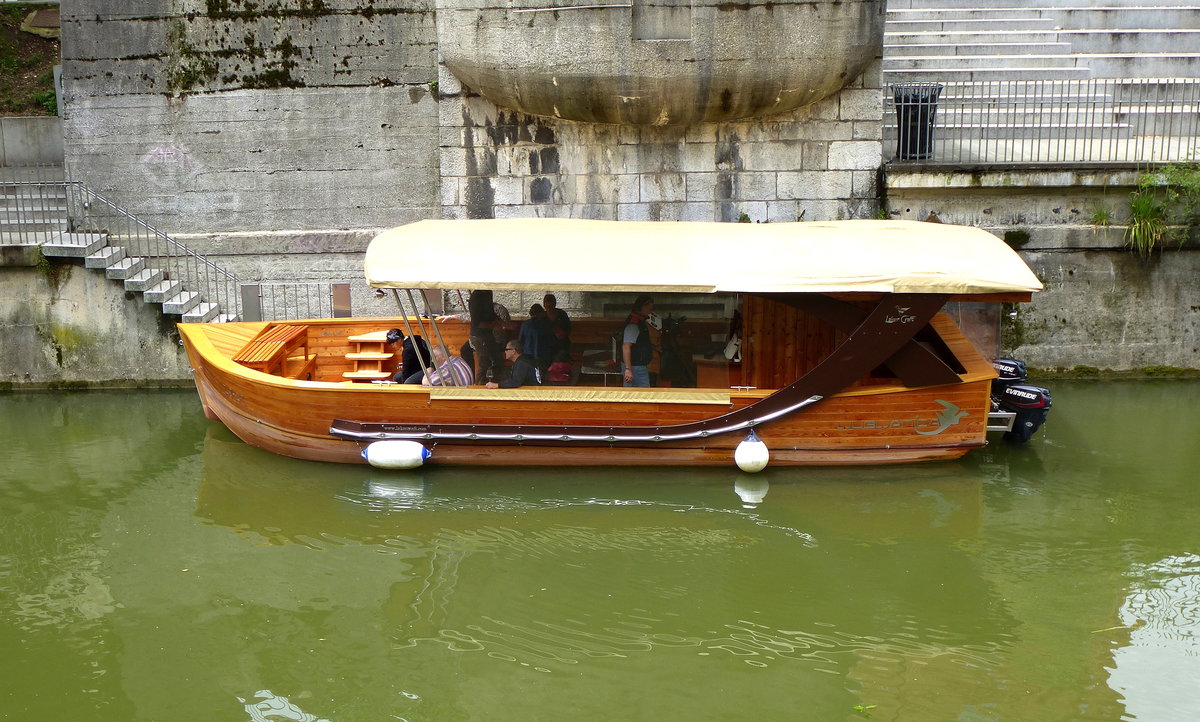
(33, 204)
(89, 212)
(1100, 120)
(295, 300)
(37, 212)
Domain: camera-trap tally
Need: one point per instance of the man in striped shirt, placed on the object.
(448, 370)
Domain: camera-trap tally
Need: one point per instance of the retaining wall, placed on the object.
(1103, 306)
(64, 325)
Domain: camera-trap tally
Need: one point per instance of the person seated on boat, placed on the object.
(560, 324)
(449, 370)
(560, 372)
(637, 351)
(409, 371)
(536, 338)
(490, 322)
(524, 372)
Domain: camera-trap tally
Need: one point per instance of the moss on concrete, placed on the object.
(1098, 374)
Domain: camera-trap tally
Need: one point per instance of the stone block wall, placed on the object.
(820, 162)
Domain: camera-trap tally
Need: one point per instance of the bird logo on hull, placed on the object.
(923, 425)
(947, 417)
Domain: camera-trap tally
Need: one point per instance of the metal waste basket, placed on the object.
(916, 110)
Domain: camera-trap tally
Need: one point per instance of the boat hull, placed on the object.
(873, 425)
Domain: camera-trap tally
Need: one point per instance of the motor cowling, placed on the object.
(1030, 403)
(1011, 371)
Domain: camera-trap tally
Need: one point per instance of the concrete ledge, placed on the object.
(900, 178)
(18, 256)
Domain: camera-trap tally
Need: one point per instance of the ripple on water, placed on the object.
(631, 634)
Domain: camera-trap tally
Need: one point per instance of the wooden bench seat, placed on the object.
(273, 349)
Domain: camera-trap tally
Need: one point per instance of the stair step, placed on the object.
(15, 225)
(955, 50)
(74, 245)
(161, 291)
(124, 268)
(201, 313)
(226, 318)
(27, 238)
(33, 209)
(181, 303)
(105, 257)
(941, 74)
(144, 279)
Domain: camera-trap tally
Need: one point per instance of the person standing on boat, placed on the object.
(489, 331)
(449, 371)
(410, 369)
(560, 326)
(524, 372)
(536, 339)
(636, 349)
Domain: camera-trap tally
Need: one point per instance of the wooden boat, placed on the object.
(847, 353)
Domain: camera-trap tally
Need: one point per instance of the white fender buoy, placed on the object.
(396, 454)
(752, 454)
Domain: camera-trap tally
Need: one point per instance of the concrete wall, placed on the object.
(31, 141)
(64, 325)
(214, 117)
(1103, 306)
(224, 119)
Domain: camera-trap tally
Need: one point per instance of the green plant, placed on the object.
(1164, 207)
(743, 218)
(48, 100)
(1147, 222)
(864, 709)
(1102, 216)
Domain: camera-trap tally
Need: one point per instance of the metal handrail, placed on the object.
(179, 262)
(45, 208)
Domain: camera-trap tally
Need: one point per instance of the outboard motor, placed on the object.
(1011, 370)
(1011, 393)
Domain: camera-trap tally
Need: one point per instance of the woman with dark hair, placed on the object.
(410, 370)
(636, 350)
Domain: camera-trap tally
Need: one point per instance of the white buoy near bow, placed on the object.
(396, 454)
(752, 454)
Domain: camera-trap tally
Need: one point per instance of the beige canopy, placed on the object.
(585, 255)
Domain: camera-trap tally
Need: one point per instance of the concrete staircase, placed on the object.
(30, 217)
(976, 40)
(1042, 71)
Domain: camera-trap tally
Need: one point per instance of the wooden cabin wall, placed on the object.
(781, 343)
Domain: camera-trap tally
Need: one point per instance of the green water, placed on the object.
(152, 567)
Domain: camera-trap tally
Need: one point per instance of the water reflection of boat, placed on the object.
(561, 570)
(846, 357)
(286, 500)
